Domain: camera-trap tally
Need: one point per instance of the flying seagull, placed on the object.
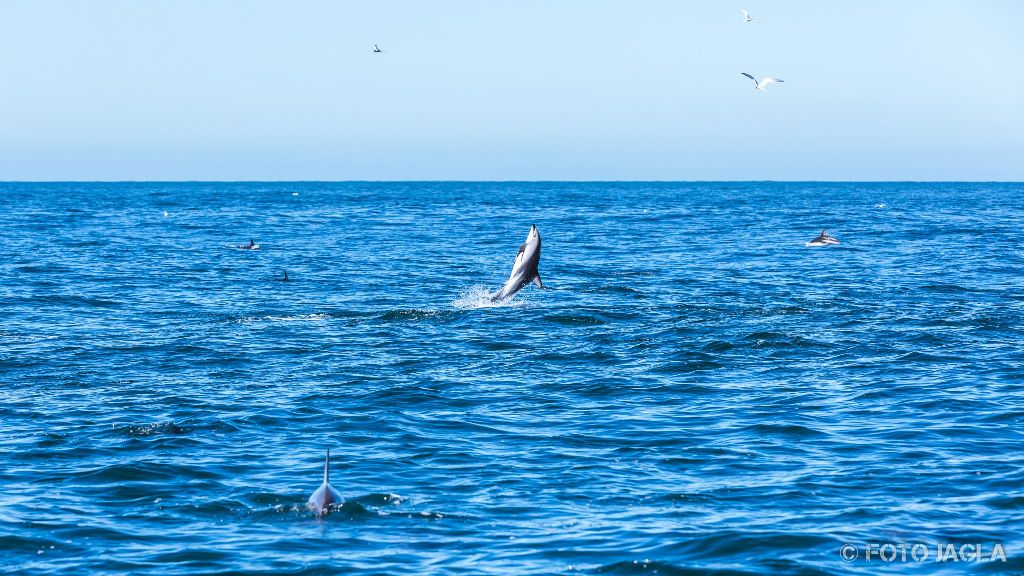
(746, 16)
(763, 83)
(377, 50)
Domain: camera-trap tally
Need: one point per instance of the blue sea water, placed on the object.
(694, 392)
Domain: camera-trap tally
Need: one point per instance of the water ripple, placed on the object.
(670, 403)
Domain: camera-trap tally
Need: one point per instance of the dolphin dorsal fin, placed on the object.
(327, 470)
(536, 280)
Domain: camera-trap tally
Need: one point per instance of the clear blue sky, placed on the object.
(511, 89)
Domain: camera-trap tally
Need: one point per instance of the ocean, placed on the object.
(694, 391)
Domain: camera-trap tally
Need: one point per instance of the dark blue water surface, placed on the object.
(695, 391)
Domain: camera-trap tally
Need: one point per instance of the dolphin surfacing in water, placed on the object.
(823, 239)
(321, 500)
(524, 269)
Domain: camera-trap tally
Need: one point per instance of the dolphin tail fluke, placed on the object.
(536, 280)
(327, 470)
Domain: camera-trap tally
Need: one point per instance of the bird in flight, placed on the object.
(746, 16)
(377, 50)
(763, 83)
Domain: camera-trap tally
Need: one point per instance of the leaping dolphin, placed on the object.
(823, 239)
(524, 269)
(321, 500)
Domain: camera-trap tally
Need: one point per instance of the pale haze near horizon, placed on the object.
(510, 90)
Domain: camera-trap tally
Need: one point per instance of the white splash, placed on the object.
(299, 318)
(480, 297)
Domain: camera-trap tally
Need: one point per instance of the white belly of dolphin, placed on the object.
(825, 242)
(524, 269)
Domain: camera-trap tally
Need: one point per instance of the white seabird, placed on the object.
(763, 83)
